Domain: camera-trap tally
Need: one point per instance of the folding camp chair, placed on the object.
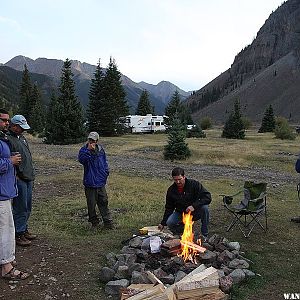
(251, 210)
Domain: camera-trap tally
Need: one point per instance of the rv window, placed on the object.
(149, 123)
(162, 123)
(157, 123)
(152, 123)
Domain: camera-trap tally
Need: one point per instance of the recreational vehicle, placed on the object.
(144, 124)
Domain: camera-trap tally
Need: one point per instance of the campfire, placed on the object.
(189, 249)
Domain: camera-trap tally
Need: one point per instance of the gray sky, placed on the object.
(186, 42)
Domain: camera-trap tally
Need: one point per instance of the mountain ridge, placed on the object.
(265, 72)
(159, 95)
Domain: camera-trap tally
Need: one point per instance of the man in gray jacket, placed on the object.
(22, 204)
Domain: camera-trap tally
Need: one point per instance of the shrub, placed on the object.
(206, 123)
(195, 132)
(247, 122)
(283, 130)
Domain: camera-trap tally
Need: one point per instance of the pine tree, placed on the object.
(52, 127)
(144, 106)
(268, 122)
(37, 115)
(96, 105)
(114, 100)
(176, 149)
(234, 127)
(175, 109)
(196, 132)
(26, 104)
(67, 111)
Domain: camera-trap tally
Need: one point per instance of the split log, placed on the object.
(147, 294)
(134, 289)
(153, 278)
(193, 246)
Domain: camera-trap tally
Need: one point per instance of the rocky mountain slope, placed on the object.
(265, 72)
(160, 94)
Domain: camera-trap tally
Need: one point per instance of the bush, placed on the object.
(283, 130)
(247, 122)
(206, 123)
(195, 132)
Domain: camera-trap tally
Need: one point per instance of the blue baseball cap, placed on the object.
(20, 120)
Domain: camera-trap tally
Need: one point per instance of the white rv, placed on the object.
(144, 124)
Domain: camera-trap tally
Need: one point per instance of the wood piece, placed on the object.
(153, 278)
(171, 244)
(146, 294)
(194, 246)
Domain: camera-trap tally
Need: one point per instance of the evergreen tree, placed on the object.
(175, 109)
(37, 116)
(234, 126)
(53, 126)
(268, 122)
(196, 132)
(114, 101)
(176, 149)
(67, 111)
(96, 105)
(144, 106)
(26, 104)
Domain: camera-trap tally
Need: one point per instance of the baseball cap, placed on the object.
(93, 135)
(20, 120)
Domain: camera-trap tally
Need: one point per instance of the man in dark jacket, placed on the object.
(92, 157)
(185, 195)
(22, 204)
(8, 190)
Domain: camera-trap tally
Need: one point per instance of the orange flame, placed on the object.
(188, 251)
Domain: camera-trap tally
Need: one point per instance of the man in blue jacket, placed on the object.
(92, 157)
(8, 190)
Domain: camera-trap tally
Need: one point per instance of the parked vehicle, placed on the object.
(144, 124)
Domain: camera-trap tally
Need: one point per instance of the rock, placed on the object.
(122, 272)
(238, 264)
(248, 273)
(226, 284)
(225, 257)
(136, 242)
(136, 267)
(111, 259)
(179, 275)
(237, 275)
(106, 274)
(208, 256)
(139, 277)
(234, 246)
(168, 279)
(113, 287)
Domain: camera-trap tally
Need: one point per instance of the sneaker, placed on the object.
(22, 241)
(30, 236)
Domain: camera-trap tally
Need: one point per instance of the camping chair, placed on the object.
(249, 212)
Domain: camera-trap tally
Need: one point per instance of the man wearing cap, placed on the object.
(22, 204)
(8, 190)
(92, 157)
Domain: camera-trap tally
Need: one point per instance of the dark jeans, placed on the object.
(97, 196)
(22, 205)
(175, 224)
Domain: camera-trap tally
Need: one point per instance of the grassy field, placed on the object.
(60, 213)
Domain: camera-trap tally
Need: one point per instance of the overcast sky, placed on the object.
(186, 42)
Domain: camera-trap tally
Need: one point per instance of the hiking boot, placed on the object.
(295, 219)
(109, 225)
(22, 241)
(30, 236)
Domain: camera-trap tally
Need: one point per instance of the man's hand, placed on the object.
(91, 146)
(160, 227)
(16, 159)
(190, 208)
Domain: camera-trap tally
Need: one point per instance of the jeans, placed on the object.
(7, 233)
(22, 205)
(175, 224)
(97, 196)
